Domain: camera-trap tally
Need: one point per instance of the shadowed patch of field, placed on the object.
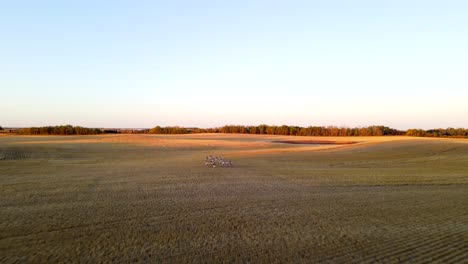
(149, 198)
(315, 142)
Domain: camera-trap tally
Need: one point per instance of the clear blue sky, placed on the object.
(208, 63)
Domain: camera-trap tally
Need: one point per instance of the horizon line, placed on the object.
(215, 127)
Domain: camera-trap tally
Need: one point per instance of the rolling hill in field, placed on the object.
(149, 198)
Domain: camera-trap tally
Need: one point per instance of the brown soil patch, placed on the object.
(315, 142)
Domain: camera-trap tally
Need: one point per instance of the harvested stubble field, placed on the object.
(149, 198)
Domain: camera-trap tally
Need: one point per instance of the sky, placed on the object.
(402, 64)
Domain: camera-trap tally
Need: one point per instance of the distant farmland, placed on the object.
(149, 198)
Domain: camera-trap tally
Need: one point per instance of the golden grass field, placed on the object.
(149, 198)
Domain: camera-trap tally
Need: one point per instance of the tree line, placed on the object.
(169, 130)
(59, 130)
(283, 130)
(439, 132)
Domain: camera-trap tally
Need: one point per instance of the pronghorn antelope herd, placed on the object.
(215, 161)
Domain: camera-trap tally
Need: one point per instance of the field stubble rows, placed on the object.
(116, 199)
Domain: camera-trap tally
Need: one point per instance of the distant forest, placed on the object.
(258, 130)
(440, 132)
(315, 131)
(59, 130)
(284, 130)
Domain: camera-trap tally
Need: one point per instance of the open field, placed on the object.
(149, 198)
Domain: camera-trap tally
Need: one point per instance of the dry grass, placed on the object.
(140, 198)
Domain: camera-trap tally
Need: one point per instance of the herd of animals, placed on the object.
(215, 161)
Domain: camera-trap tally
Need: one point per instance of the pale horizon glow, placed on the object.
(139, 64)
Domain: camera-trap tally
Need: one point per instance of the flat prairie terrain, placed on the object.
(149, 198)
